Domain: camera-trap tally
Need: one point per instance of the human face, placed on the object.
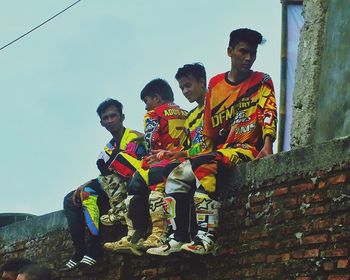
(151, 102)
(8, 275)
(242, 56)
(111, 119)
(192, 89)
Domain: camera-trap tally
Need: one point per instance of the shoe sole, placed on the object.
(163, 254)
(213, 253)
(127, 250)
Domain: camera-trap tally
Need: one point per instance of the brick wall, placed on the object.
(283, 217)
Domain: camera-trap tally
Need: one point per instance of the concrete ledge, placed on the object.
(284, 165)
(36, 226)
(278, 168)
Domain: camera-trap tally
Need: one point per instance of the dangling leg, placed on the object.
(180, 180)
(124, 244)
(138, 215)
(115, 188)
(76, 225)
(206, 208)
(207, 214)
(205, 168)
(93, 198)
(158, 221)
(155, 180)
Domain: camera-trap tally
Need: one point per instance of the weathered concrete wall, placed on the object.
(321, 98)
(283, 217)
(333, 106)
(307, 80)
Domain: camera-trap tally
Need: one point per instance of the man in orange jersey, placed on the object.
(240, 118)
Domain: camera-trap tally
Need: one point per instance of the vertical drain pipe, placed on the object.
(283, 88)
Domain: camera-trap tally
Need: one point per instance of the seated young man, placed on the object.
(241, 104)
(163, 122)
(192, 82)
(240, 120)
(83, 206)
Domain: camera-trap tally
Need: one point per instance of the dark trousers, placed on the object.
(77, 223)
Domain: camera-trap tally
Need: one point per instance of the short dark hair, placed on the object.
(247, 35)
(160, 87)
(15, 264)
(196, 70)
(107, 103)
(36, 272)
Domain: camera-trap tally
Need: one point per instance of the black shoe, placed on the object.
(70, 265)
(86, 262)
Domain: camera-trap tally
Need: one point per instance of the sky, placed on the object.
(52, 80)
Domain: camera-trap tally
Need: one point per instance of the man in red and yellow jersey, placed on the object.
(240, 118)
(164, 129)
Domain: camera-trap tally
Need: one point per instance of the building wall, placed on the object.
(333, 106)
(321, 98)
(307, 80)
(283, 217)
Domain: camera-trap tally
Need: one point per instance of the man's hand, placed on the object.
(267, 148)
(158, 155)
(176, 155)
(76, 195)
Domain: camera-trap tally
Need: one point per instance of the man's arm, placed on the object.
(268, 118)
(267, 148)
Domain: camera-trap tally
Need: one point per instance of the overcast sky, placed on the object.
(52, 80)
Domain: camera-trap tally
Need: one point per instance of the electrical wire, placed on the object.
(46, 21)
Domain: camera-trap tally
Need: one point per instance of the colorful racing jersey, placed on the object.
(112, 148)
(195, 142)
(243, 113)
(164, 127)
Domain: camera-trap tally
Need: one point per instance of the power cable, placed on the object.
(46, 21)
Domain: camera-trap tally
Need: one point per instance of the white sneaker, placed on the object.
(202, 244)
(170, 246)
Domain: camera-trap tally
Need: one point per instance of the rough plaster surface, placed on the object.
(278, 168)
(306, 90)
(333, 110)
(33, 227)
(286, 165)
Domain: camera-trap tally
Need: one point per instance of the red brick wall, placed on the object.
(283, 217)
(298, 229)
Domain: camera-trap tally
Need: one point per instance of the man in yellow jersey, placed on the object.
(83, 206)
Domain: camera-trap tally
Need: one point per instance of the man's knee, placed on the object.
(207, 158)
(181, 179)
(137, 185)
(68, 200)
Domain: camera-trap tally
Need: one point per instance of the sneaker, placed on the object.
(170, 246)
(73, 262)
(70, 265)
(124, 246)
(87, 261)
(202, 244)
